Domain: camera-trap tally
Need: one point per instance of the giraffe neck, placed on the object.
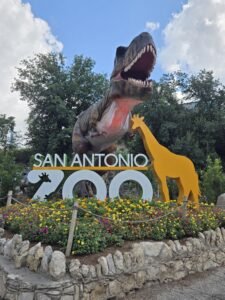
(150, 142)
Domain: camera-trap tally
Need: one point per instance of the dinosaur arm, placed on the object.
(89, 118)
(86, 125)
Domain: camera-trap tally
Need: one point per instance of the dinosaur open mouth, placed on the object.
(139, 69)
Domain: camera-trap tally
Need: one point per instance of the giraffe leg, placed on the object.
(194, 199)
(180, 198)
(164, 190)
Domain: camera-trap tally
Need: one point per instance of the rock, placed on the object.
(92, 271)
(11, 296)
(34, 257)
(178, 246)
(46, 259)
(99, 293)
(26, 296)
(152, 249)
(140, 278)
(84, 270)
(57, 265)
(213, 237)
(209, 264)
(189, 246)
(74, 268)
(207, 235)
(69, 290)
(10, 246)
(41, 296)
(128, 283)
(195, 243)
(114, 288)
(220, 257)
(24, 247)
(219, 237)
(2, 285)
(221, 201)
(127, 261)
(171, 244)
(188, 265)
(137, 256)
(166, 252)
(99, 270)
(173, 270)
(2, 232)
(177, 265)
(86, 296)
(118, 261)
(111, 265)
(152, 273)
(20, 260)
(21, 253)
(103, 262)
(201, 236)
(67, 297)
(223, 233)
(2, 244)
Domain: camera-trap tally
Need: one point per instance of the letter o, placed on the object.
(73, 179)
(133, 175)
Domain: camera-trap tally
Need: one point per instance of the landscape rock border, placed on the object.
(40, 274)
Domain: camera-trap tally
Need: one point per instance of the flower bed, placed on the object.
(112, 222)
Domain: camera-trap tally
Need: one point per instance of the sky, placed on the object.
(189, 36)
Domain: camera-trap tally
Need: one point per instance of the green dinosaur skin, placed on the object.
(104, 123)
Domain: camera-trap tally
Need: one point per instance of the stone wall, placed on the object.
(42, 274)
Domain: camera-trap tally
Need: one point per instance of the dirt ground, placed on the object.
(209, 285)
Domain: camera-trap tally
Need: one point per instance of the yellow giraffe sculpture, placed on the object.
(167, 164)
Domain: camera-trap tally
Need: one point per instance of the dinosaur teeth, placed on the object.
(140, 83)
(148, 48)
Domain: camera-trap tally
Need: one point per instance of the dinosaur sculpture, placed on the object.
(104, 123)
(167, 164)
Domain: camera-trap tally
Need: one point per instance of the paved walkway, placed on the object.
(209, 285)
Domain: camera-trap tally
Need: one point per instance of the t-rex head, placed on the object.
(132, 67)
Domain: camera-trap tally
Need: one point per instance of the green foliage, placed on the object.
(196, 130)
(49, 222)
(56, 94)
(213, 180)
(10, 173)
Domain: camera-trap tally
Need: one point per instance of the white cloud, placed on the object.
(21, 36)
(152, 26)
(195, 38)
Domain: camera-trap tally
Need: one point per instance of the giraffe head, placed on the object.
(136, 122)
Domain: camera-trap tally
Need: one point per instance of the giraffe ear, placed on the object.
(142, 118)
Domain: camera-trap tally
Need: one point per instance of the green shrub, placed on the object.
(10, 173)
(49, 222)
(213, 180)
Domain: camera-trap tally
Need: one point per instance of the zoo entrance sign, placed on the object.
(49, 170)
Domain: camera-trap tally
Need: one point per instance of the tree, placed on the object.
(56, 94)
(10, 172)
(213, 180)
(195, 132)
(207, 118)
